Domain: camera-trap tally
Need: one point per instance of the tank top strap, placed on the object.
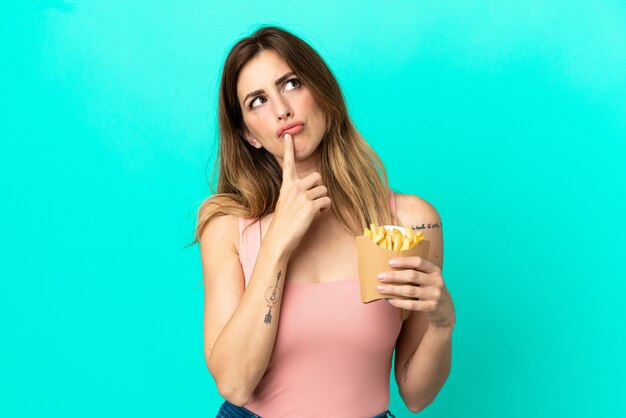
(249, 245)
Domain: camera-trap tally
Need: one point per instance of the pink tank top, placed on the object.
(332, 355)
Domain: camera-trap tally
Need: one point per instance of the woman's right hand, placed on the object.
(299, 202)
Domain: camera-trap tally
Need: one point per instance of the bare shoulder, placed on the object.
(416, 212)
(222, 230)
(222, 226)
(219, 254)
(421, 216)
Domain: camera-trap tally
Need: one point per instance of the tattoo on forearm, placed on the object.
(437, 225)
(272, 297)
(405, 368)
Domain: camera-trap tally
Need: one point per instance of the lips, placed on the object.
(290, 128)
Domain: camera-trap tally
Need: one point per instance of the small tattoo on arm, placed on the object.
(272, 297)
(405, 369)
(437, 225)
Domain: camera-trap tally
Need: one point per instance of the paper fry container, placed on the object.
(374, 259)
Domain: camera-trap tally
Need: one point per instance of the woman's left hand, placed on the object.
(420, 280)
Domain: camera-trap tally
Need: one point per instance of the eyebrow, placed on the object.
(278, 82)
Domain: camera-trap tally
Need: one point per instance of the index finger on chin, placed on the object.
(289, 165)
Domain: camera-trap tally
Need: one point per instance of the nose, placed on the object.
(283, 110)
(284, 115)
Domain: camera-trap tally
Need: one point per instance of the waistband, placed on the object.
(228, 410)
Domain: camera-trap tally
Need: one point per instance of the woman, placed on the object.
(296, 185)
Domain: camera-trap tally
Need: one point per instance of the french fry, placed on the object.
(397, 240)
(405, 244)
(377, 234)
(409, 233)
(416, 239)
(393, 239)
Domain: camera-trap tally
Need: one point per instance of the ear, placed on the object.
(251, 139)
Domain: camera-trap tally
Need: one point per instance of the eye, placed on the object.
(294, 82)
(260, 99)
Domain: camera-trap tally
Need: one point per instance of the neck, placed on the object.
(305, 168)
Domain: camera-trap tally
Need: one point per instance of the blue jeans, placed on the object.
(228, 410)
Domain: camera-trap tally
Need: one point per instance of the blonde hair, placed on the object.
(249, 179)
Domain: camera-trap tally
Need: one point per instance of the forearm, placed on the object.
(425, 372)
(243, 349)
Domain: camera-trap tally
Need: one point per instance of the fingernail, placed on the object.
(381, 276)
(393, 262)
(380, 288)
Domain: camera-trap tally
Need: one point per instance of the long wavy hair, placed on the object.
(249, 179)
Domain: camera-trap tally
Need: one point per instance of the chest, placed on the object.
(327, 253)
(316, 317)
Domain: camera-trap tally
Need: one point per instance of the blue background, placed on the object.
(509, 117)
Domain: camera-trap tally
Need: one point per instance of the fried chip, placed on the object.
(393, 238)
